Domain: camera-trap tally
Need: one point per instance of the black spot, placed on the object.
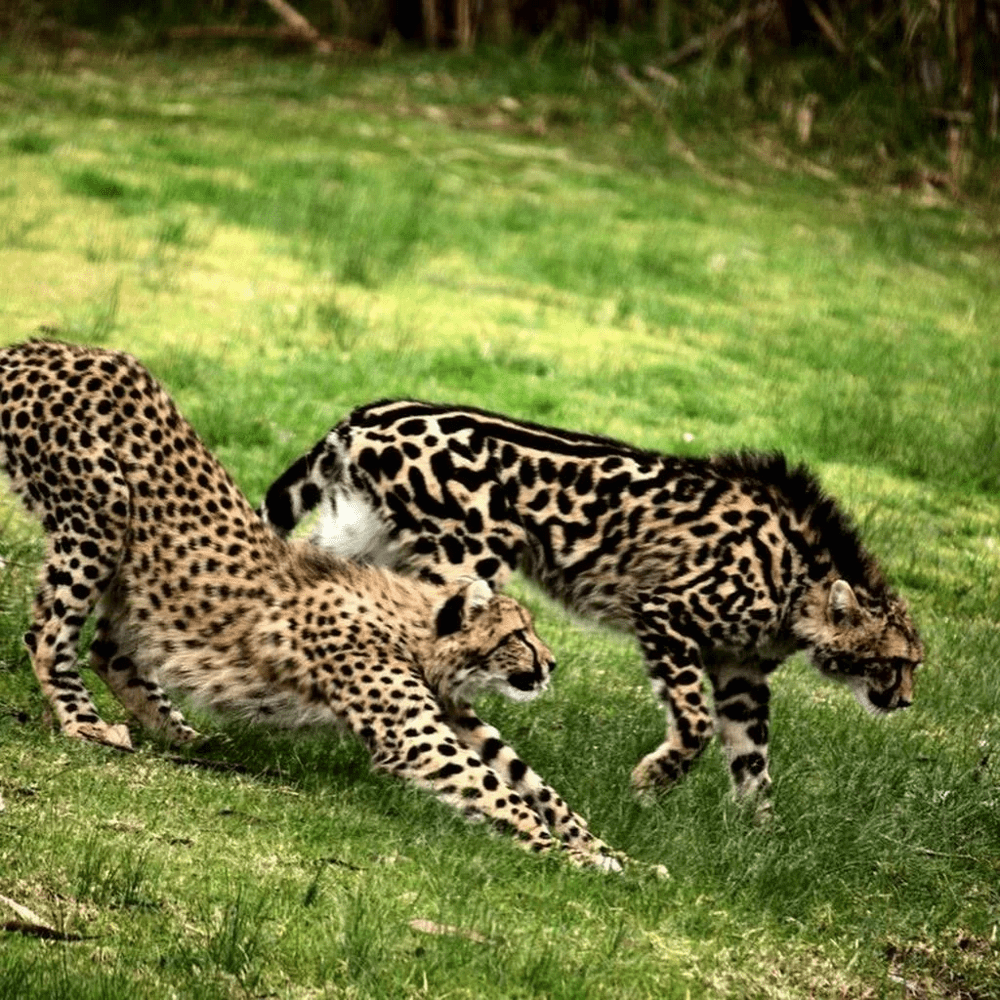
(451, 615)
(498, 503)
(309, 496)
(752, 762)
(540, 501)
(368, 461)
(567, 474)
(526, 473)
(453, 549)
(391, 461)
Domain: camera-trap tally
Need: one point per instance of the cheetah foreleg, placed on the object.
(561, 820)
(435, 759)
(742, 697)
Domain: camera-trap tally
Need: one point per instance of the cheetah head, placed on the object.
(487, 642)
(873, 649)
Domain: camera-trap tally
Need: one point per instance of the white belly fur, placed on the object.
(351, 528)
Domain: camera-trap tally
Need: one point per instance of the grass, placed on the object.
(281, 240)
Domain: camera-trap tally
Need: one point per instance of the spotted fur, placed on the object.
(720, 566)
(193, 592)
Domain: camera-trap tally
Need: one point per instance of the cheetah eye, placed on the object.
(518, 636)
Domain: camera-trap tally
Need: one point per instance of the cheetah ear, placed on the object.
(453, 614)
(843, 605)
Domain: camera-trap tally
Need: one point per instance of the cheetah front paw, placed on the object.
(604, 861)
(116, 736)
(609, 863)
(658, 772)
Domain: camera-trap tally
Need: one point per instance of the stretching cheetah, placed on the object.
(193, 591)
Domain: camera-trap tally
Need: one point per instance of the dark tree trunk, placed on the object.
(429, 10)
(497, 21)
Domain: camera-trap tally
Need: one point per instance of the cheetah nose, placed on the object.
(903, 703)
(552, 666)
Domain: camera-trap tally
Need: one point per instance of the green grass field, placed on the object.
(280, 240)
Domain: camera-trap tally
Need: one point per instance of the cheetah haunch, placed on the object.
(193, 591)
(721, 566)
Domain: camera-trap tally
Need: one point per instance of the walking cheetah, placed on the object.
(721, 565)
(194, 591)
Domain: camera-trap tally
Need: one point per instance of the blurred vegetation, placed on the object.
(903, 77)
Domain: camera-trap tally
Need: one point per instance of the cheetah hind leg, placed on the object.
(135, 688)
(60, 608)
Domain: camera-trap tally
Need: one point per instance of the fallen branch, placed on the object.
(225, 767)
(278, 34)
(779, 158)
(639, 89)
(296, 29)
(431, 927)
(31, 924)
(299, 25)
(694, 46)
(675, 145)
(39, 931)
(22, 911)
(826, 26)
(950, 855)
(928, 853)
(661, 76)
(340, 864)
